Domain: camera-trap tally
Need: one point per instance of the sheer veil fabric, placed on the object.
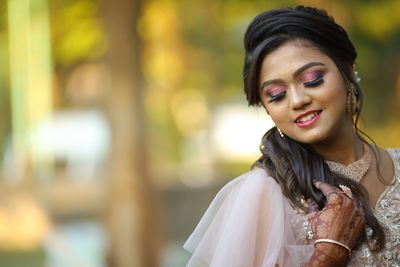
(249, 223)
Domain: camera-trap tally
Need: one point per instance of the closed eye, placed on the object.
(314, 83)
(277, 97)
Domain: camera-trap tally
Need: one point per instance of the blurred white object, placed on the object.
(235, 136)
(80, 138)
(78, 142)
(237, 131)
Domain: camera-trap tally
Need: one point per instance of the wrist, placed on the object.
(334, 242)
(328, 255)
(337, 255)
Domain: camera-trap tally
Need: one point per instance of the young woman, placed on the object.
(320, 195)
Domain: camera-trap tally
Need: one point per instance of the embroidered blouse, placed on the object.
(251, 223)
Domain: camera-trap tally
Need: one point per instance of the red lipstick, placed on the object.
(307, 118)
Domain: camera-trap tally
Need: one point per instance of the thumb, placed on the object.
(325, 188)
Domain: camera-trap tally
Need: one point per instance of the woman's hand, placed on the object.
(340, 220)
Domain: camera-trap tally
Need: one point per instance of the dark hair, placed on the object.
(292, 164)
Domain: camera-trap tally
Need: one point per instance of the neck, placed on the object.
(344, 151)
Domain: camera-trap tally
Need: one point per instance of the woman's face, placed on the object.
(302, 90)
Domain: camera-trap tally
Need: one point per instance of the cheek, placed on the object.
(333, 92)
(337, 93)
(278, 114)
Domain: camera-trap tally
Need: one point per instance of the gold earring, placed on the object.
(280, 132)
(262, 147)
(351, 99)
(348, 102)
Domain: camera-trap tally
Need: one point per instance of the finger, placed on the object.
(312, 215)
(313, 206)
(325, 188)
(333, 198)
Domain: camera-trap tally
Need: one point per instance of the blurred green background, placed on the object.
(120, 120)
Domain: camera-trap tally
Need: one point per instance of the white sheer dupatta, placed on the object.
(249, 224)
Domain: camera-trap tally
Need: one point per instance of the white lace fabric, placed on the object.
(251, 224)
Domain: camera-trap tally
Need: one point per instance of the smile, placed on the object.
(308, 118)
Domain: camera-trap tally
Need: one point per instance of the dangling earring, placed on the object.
(280, 132)
(357, 77)
(352, 99)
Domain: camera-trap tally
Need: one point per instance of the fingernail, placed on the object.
(313, 206)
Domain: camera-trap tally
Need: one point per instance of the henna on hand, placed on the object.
(340, 220)
(328, 255)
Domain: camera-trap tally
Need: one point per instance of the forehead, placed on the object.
(289, 57)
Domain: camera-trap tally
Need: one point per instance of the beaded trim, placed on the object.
(355, 170)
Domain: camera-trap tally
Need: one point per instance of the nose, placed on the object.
(299, 98)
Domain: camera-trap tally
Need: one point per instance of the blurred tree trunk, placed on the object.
(132, 212)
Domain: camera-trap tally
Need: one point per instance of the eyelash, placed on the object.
(314, 83)
(277, 97)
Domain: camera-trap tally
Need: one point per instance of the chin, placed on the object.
(311, 138)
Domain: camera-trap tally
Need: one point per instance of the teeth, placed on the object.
(307, 117)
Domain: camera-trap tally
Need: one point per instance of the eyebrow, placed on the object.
(295, 74)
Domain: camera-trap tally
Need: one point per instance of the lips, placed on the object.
(307, 118)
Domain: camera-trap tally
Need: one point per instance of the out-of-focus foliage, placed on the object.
(4, 82)
(194, 53)
(192, 59)
(77, 32)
